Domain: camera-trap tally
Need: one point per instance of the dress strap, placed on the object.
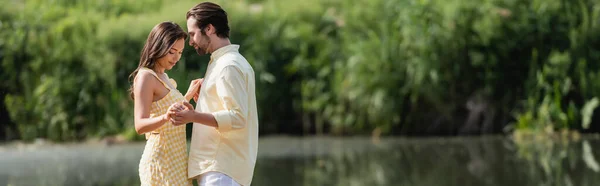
(155, 75)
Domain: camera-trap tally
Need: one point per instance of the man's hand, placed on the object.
(174, 108)
(181, 113)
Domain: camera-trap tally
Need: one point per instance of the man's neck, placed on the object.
(220, 43)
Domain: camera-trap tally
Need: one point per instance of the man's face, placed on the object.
(198, 40)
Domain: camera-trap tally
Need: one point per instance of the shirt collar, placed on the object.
(223, 50)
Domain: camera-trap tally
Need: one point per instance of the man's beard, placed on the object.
(200, 51)
(203, 50)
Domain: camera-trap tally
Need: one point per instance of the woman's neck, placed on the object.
(159, 70)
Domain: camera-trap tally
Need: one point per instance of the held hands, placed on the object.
(180, 113)
(194, 89)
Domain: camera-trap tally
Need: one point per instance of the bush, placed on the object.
(416, 67)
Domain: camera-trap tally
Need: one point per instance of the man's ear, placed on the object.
(210, 29)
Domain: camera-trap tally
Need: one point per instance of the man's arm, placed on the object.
(205, 119)
(232, 92)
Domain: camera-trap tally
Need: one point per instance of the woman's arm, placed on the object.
(143, 92)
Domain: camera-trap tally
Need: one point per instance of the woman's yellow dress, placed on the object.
(164, 160)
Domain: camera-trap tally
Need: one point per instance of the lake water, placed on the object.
(315, 161)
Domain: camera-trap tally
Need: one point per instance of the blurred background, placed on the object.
(350, 92)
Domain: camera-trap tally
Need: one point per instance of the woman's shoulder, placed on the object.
(145, 77)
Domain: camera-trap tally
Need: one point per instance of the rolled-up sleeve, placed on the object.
(232, 91)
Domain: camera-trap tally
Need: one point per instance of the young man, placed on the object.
(225, 134)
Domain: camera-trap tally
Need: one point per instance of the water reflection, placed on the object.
(334, 161)
(455, 161)
(69, 165)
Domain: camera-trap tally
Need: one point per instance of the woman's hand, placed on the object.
(180, 113)
(194, 89)
(172, 110)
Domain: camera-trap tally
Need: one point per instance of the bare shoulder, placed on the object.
(144, 80)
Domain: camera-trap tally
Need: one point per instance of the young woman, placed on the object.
(164, 160)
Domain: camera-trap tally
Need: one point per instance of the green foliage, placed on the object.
(334, 66)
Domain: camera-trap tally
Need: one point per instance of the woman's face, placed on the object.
(173, 55)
